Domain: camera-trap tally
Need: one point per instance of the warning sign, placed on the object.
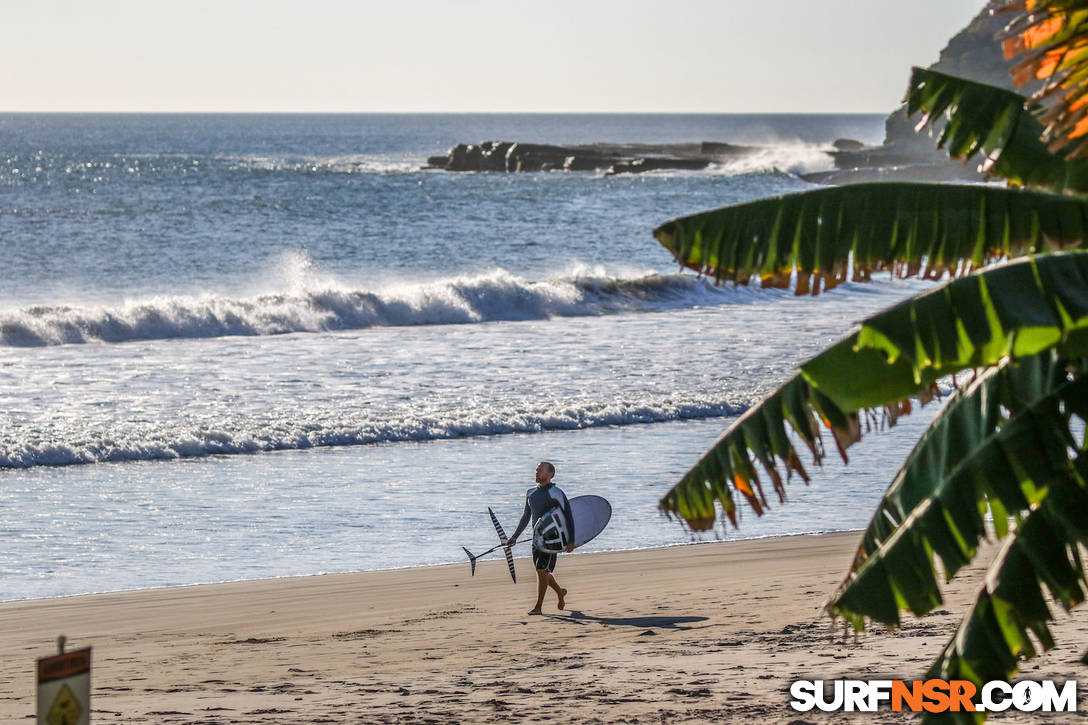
(64, 689)
(65, 708)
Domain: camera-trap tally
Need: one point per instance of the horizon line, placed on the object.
(443, 113)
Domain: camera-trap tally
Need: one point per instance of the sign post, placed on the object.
(64, 687)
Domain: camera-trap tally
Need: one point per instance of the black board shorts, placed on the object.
(543, 561)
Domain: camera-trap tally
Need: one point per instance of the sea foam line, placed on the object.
(180, 441)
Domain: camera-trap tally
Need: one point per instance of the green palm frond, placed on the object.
(1004, 446)
(1042, 552)
(992, 122)
(999, 445)
(906, 229)
(1011, 610)
(761, 436)
(1015, 310)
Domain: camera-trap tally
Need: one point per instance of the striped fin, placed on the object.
(510, 563)
(505, 548)
(471, 560)
(498, 527)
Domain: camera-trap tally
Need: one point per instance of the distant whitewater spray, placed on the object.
(785, 157)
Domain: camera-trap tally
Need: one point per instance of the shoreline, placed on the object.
(287, 577)
(714, 632)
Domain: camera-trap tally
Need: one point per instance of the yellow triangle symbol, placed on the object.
(65, 709)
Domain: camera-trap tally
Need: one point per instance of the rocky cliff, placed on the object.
(973, 53)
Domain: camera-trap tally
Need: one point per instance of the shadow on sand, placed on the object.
(577, 617)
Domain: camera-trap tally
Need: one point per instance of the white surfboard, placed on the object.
(591, 514)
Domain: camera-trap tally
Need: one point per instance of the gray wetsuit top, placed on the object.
(539, 500)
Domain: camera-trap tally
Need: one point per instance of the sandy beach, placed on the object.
(706, 633)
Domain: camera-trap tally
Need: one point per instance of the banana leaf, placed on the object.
(1016, 310)
(1009, 619)
(1000, 445)
(761, 436)
(1050, 40)
(906, 229)
(982, 119)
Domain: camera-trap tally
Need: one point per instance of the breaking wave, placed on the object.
(496, 296)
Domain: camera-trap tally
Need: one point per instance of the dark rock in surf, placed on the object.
(457, 158)
(539, 157)
(639, 166)
(847, 144)
(493, 155)
(583, 162)
(726, 150)
(504, 156)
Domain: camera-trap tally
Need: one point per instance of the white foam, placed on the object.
(174, 442)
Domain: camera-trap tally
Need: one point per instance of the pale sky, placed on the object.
(714, 56)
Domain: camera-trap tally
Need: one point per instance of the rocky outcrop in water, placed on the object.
(972, 53)
(611, 158)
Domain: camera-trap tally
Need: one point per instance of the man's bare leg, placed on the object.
(541, 588)
(558, 589)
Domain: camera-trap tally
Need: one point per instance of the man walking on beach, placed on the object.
(539, 501)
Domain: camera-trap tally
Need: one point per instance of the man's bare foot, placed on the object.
(562, 593)
(535, 611)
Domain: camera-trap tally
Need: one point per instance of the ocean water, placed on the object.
(255, 346)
